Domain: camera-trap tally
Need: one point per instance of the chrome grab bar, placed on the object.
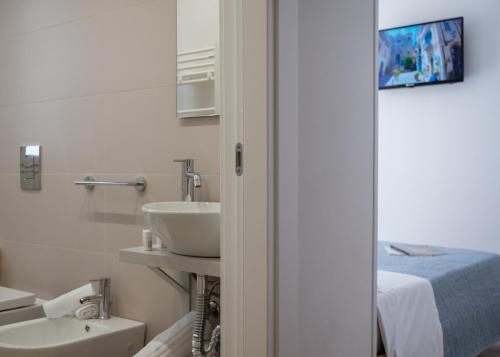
(139, 183)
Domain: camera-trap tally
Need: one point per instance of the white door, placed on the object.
(326, 185)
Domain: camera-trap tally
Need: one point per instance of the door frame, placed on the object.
(247, 212)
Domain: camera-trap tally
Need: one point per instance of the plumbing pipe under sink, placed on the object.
(203, 311)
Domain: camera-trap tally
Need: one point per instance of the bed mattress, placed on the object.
(466, 287)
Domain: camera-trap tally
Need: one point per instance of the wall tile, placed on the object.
(60, 215)
(19, 17)
(93, 82)
(126, 222)
(48, 271)
(66, 129)
(139, 294)
(209, 192)
(137, 46)
(49, 64)
(131, 48)
(123, 132)
(147, 135)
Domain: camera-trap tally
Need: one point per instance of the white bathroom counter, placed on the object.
(162, 258)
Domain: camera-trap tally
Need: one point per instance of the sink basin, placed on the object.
(68, 336)
(186, 228)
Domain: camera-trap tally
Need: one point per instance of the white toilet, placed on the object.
(17, 305)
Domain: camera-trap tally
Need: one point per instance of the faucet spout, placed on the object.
(195, 177)
(190, 179)
(103, 297)
(92, 298)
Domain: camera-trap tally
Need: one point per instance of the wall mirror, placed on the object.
(198, 58)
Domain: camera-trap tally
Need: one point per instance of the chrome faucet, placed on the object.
(103, 297)
(190, 179)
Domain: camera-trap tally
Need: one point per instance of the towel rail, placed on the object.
(192, 52)
(139, 183)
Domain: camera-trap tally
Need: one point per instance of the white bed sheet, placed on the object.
(408, 317)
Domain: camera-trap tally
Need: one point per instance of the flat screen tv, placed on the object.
(422, 54)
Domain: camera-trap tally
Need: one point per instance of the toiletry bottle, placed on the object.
(147, 239)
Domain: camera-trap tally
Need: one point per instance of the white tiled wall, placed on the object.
(93, 82)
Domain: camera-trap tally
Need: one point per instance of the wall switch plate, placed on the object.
(30, 167)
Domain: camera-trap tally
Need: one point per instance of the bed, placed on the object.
(465, 308)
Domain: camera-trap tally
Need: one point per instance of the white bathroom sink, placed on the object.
(68, 336)
(187, 228)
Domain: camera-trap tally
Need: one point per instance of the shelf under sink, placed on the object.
(162, 258)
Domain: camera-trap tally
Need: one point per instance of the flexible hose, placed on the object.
(201, 316)
(214, 340)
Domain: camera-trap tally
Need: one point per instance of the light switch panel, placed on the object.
(30, 167)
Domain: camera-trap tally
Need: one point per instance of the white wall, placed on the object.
(439, 166)
(326, 189)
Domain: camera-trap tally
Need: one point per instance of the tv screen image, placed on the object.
(429, 53)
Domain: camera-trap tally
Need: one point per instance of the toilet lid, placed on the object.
(12, 299)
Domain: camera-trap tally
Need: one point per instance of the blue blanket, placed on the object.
(467, 291)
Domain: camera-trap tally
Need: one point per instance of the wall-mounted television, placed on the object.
(421, 54)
